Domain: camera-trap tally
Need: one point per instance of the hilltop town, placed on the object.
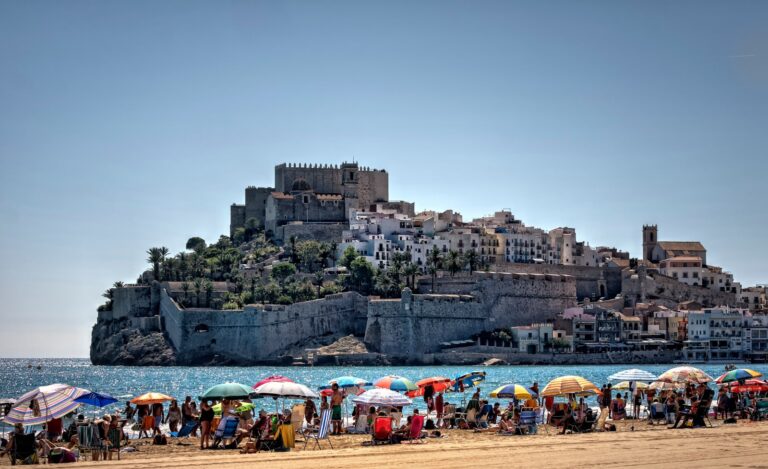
(323, 268)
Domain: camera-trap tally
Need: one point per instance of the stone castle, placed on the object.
(320, 197)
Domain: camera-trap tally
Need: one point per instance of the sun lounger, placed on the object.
(114, 440)
(382, 431)
(321, 432)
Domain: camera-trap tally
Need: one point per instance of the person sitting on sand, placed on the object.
(685, 414)
(404, 432)
(474, 401)
(506, 426)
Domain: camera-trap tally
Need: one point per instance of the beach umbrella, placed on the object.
(568, 385)
(395, 383)
(96, 399)
(151, 398)
(664, 386)
(381, 397)
(44, 403)
(269, 379)
(227, 391)
(512, 391)
(285, 389)
(468, 380)
(685, 374)
(244, 407)
(750, 385)
(739, 374)
(438, 383)
(633, 375)
(7, 401)
(353, 391)
(348, 382)
(627, 385)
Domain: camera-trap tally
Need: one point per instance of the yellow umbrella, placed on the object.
(151, 398)
(567, 385)
(624, 385)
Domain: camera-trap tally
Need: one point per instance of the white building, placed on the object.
(716, 334)
(686, 269)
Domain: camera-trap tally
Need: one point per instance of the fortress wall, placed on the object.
(328, 232)
(130, 301)
(587, 278)
(373, 187)
(657, 286)
(258, 332)
(326, 180)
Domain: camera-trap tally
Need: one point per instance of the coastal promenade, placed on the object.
(740, 445)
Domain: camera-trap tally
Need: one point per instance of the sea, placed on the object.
(18, 376)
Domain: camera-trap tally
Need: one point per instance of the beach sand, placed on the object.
(739, 445)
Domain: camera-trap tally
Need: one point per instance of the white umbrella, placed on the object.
(633, 375)
(45, 403)
(382, 397)
(285, 389)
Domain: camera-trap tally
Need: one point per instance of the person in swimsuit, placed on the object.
(336, 400)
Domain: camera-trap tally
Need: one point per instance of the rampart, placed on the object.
(257, 333)
(641, 286)
(588, 279)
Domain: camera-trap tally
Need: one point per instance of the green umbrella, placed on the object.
(227, 391)
(245, 407)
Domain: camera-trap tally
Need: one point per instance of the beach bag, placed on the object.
(160, 440)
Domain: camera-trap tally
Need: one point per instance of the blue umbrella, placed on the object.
(97, 399)
(468, 380)
(347, 382)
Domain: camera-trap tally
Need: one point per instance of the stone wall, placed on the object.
(328, 232)
(129, 301)
(588, 279)
(258, 333)
(641, 286)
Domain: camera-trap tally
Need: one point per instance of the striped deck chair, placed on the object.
(88, 442)
(320, 433)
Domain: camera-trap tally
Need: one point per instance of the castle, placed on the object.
(310, 201)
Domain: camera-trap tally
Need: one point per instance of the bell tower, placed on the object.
(650, 238)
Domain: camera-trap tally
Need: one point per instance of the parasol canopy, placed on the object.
(44, 403)
(151, 398)
(348, 382)
(244, 407)
(96, 399)
(633, 375)
(663, 386)
(685, 374)
(269, 379)
(750, 385)
(739, 374)
(395, 383)
(568, 385)
(285, 389)
(382, 397)
(468, 380)
(227, 391)
(625, 385)
(512, 391)
(438, 383)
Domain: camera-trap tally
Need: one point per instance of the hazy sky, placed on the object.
(125, 125)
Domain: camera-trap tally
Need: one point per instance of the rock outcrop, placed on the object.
(117, 343)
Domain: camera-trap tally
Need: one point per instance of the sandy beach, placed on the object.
(740, 445)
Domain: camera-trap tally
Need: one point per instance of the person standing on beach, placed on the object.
(605, 405)
(439, 407)
(206, 417)
(186, 410)
(336, 400)
(309, 411)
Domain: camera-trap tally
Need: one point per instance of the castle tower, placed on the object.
(650, 238)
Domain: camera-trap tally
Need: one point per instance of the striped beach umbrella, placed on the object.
(568, 385)
(382, 397)
(627, 385)
(685, 374)
(151, 398)
(739, 374)
(512, 391)
(633, 375)
(395, 383)
(44, 403)
(750, 385)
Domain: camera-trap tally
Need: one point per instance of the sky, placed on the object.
(126, 125)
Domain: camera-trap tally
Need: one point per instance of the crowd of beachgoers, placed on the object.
(277, 414)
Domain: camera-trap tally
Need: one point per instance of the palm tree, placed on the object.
(155, 258)
(198, 284)
(409, 271)
(472, 260)
(118, 284)
(453, 262)
(434, 263)
(333, 253)
(185, 289)
(383, 283)
(208, 285)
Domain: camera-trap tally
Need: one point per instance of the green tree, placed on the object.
(348, 256)
(434, 264)
(319, 278)
(361, 276)
(155, 258)
(118, 284)
(282, 271)
(410, 271)
(453, 262)
(472, 260)
(196, 244)
(198, 286)
(208, 285)
(185, 289)
(294, 255)
(309, 255)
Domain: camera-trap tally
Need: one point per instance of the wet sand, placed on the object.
(740, 445)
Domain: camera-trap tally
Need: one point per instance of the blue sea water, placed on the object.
(20, 375)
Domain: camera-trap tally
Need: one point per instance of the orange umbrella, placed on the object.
(151, 398)
(438, 383)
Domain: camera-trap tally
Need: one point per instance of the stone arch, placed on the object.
(202, 328)
(301, 185)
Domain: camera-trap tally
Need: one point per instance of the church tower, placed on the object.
(650, 238)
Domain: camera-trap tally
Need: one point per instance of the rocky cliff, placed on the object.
(118, 343)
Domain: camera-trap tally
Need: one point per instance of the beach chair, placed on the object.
(322, 432)
(114, 439)
(397, 418)
(382, 431)
(417, 424)
(88, 440)
(759, 410)
(528, 422)
(658, 413)
(185, 431)
(227, 433)
(24, 449)
(297, 417)
(557, 416)
(283, 440)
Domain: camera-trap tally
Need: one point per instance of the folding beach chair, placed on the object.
(658, 413)
(760, 410)
(24, 449)
(382, 431)
(185, 431)
(528, 421)
(417, 423)
(228, 433)
(320, 433)
(88, 440)
(114, 439)
(541, 419)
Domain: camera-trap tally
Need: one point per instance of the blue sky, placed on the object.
(125, 125)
